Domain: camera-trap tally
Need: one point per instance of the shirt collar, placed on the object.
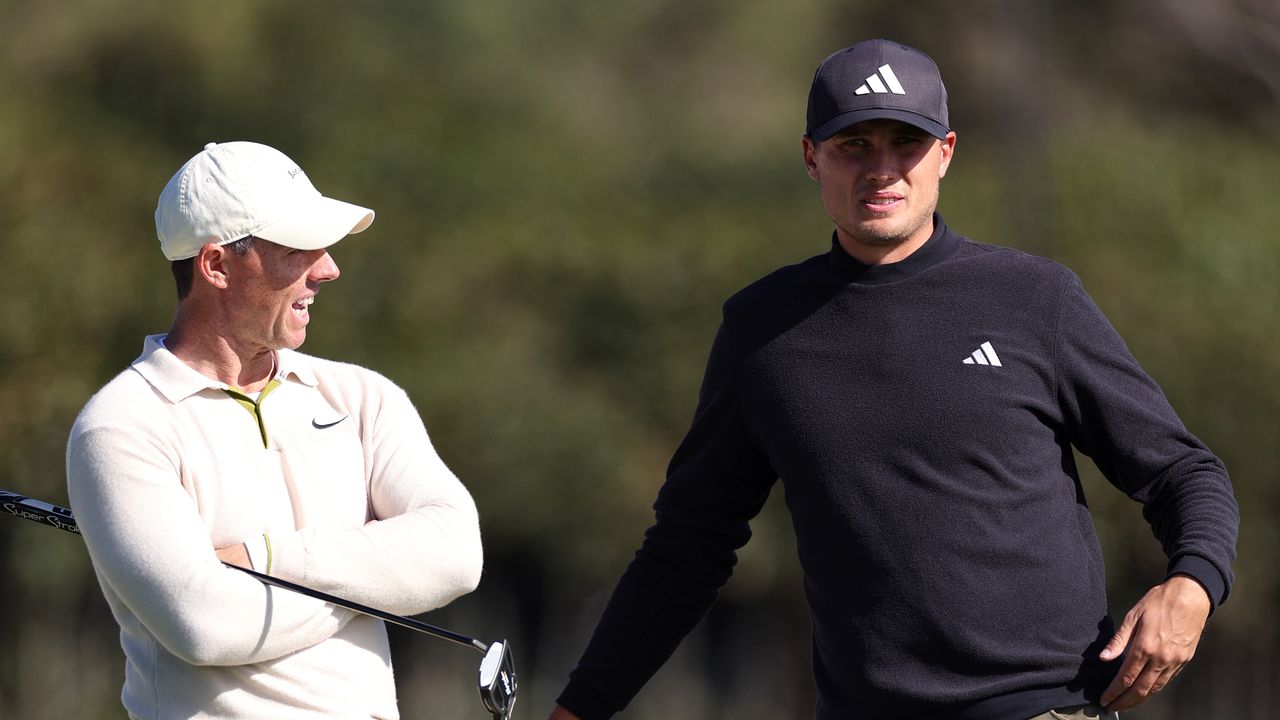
(937, 248)
(177, 381)
(293, 365)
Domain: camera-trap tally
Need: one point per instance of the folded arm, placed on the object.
(422, 547)
(152, 552)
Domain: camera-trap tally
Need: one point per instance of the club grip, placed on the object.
(41, 512)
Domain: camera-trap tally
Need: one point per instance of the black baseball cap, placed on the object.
(877, 79)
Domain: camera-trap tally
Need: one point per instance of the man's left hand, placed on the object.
(237, 554)
(1161, 633)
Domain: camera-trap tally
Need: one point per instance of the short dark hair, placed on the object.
(184, 271)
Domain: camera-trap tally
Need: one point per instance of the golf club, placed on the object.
(497, 677)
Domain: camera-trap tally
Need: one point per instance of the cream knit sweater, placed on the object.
(163, 467)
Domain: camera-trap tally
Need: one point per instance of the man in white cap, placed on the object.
(222, 443)
(918, 395)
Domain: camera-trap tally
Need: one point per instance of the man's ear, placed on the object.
(211, 265)
(810, 148)
(948, 145)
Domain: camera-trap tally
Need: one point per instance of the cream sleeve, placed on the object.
(156, 563)
(422, 550)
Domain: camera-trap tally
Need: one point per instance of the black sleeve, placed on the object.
(1118, 416)
(717, 482)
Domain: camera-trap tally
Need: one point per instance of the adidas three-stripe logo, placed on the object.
(984, 355)
(875, 85)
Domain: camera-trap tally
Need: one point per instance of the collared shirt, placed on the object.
(164, 466)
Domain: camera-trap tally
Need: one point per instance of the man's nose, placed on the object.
(325, 269)
(879, 167)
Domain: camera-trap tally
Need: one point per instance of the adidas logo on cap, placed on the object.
(874, 84)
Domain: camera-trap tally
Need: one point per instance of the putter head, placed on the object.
(498, 680)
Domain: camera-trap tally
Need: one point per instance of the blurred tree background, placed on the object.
(566, 192)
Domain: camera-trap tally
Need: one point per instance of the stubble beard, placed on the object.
(882, 234)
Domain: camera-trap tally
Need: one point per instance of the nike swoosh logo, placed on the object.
(321, 426)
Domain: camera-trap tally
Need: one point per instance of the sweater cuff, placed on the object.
(585, 702)
(1203, 572)
(289, 557)
(259, 554)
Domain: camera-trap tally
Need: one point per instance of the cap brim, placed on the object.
(829, 128)
(317, 224)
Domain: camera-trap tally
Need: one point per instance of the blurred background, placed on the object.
(566, 192)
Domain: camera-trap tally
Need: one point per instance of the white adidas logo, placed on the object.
(874, 85)
(984, 355)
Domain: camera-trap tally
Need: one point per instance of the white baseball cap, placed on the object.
(232, 190)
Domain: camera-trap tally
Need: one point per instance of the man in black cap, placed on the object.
(919, 394)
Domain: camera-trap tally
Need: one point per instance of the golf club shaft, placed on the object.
(61, 518)
(366, 610)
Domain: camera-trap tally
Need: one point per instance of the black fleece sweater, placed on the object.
(950, 562)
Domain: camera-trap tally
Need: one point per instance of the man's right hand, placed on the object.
(561, 714)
